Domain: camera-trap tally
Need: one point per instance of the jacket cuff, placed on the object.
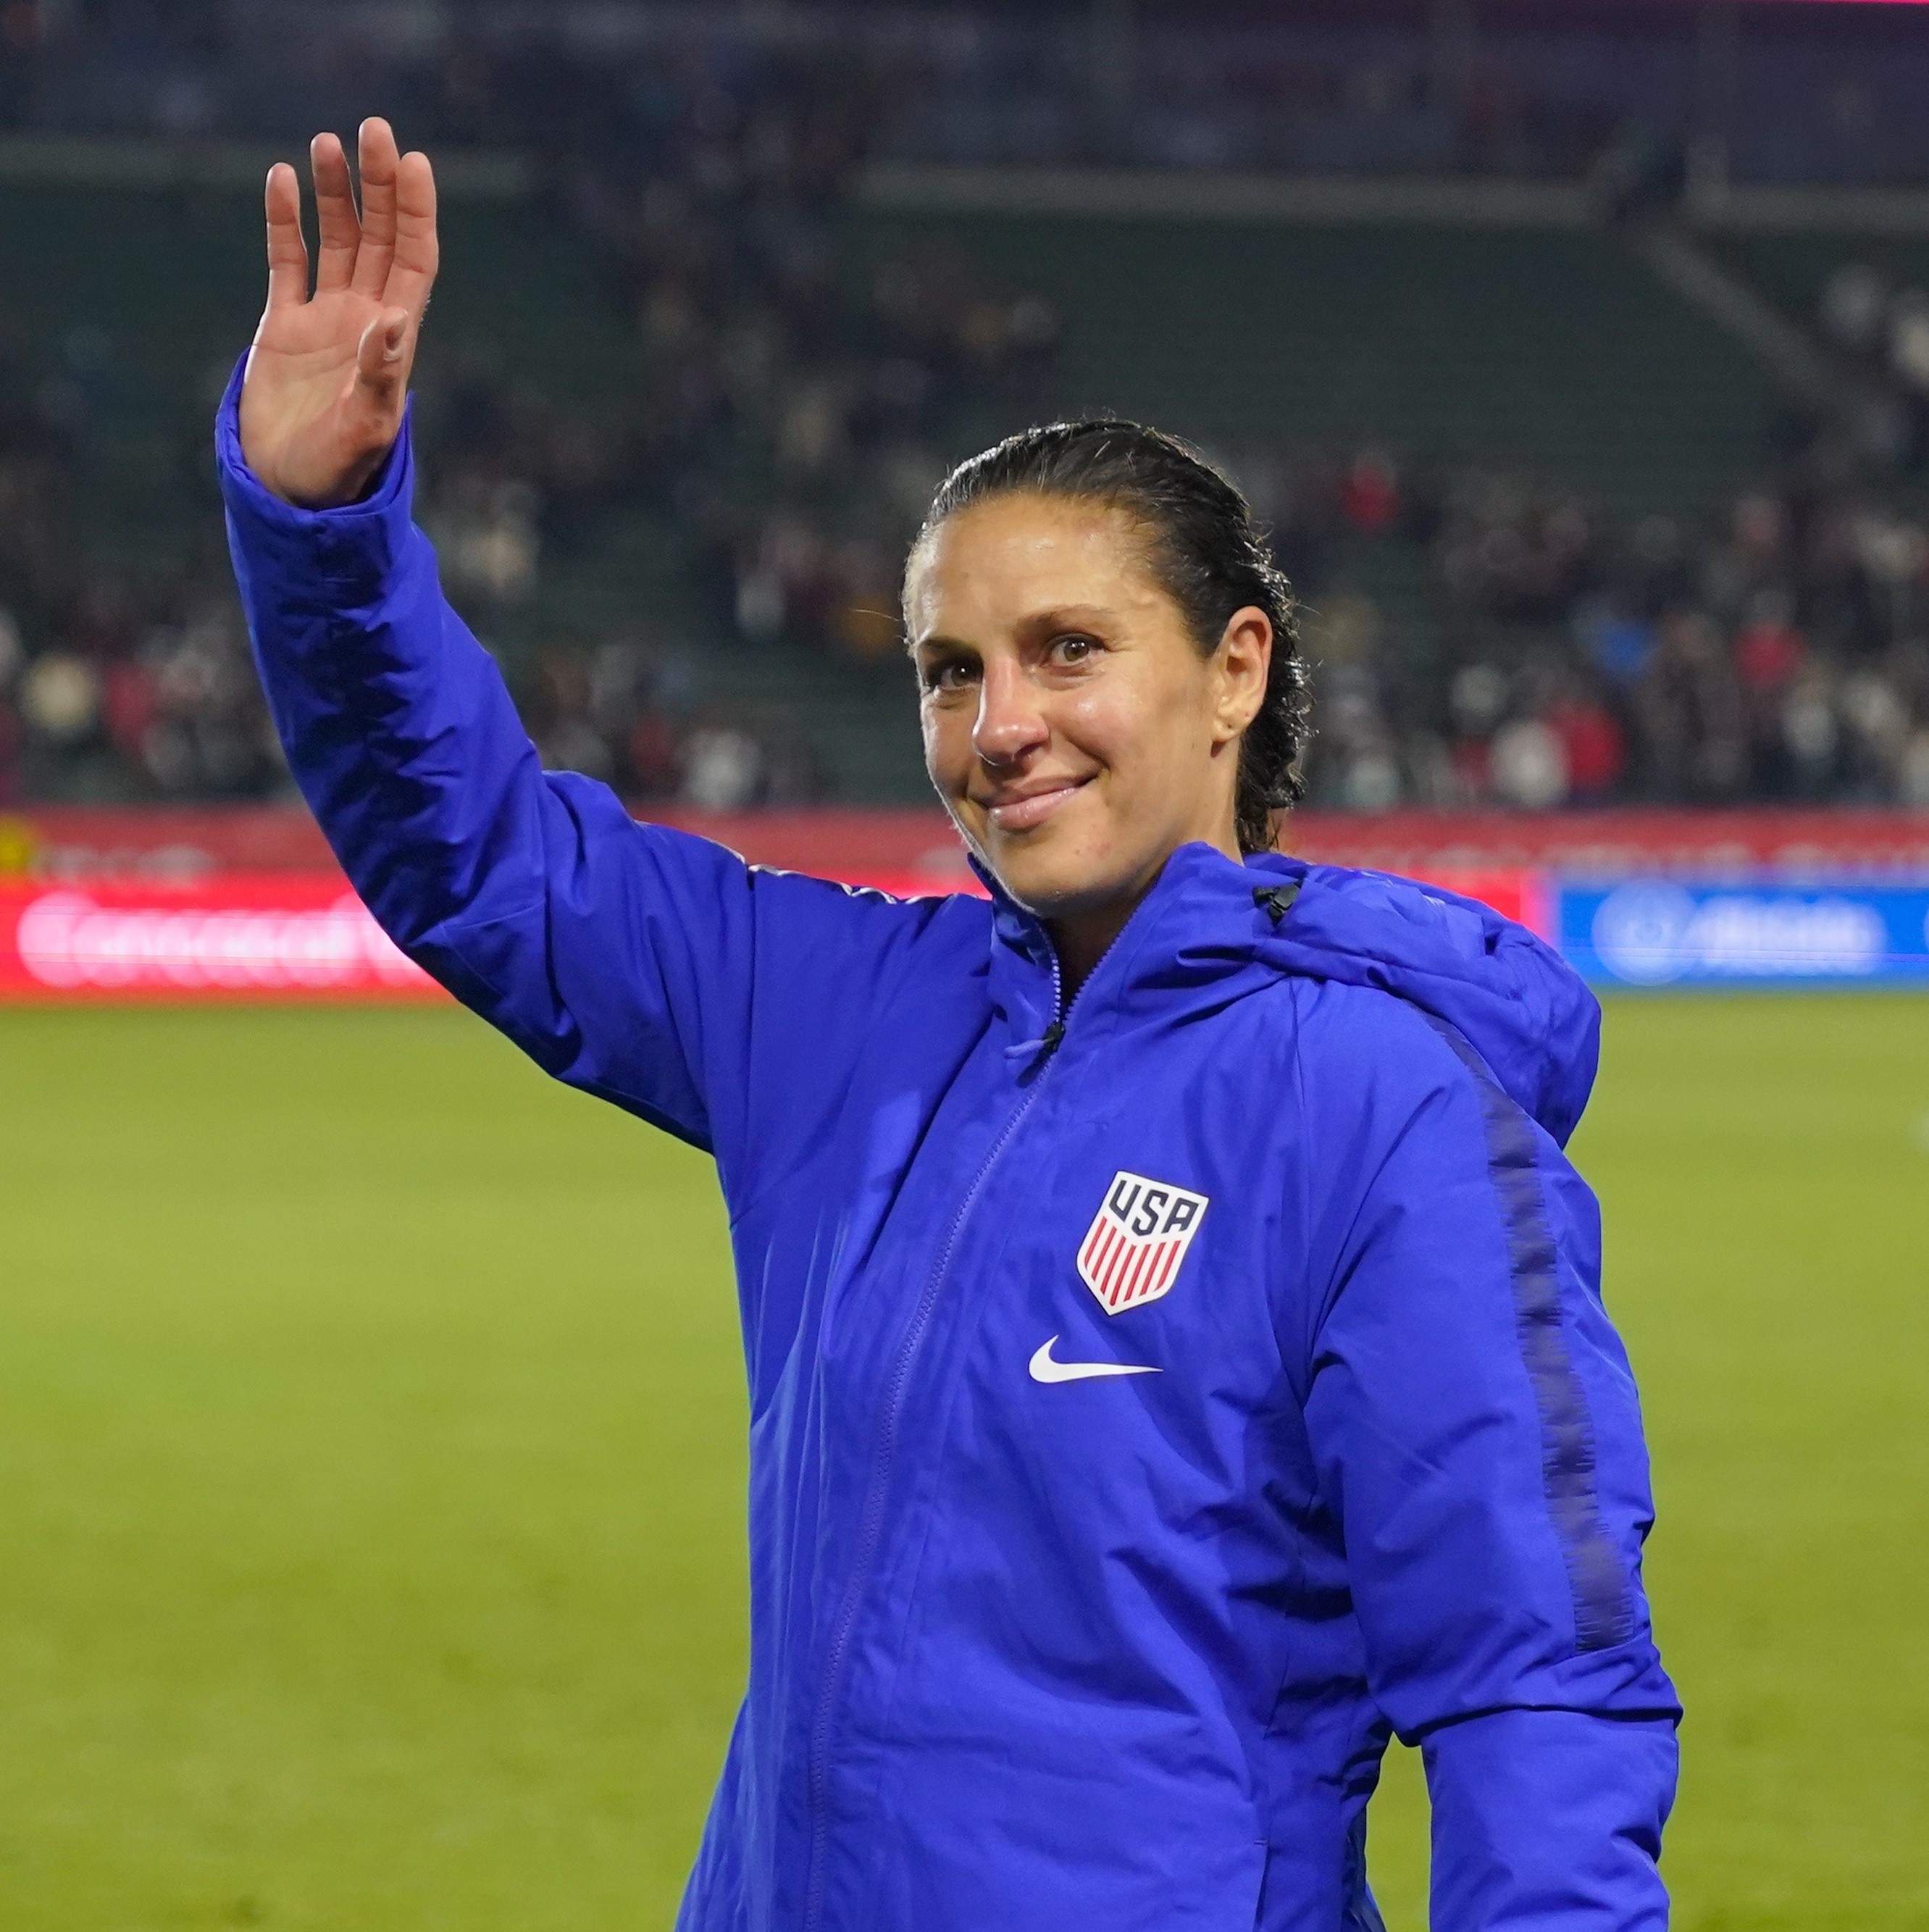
(1551, 1818)
(354, 546)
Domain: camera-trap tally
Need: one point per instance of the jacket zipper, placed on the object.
(870, 1526)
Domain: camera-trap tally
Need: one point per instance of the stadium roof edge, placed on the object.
(500, 175)
(1140, 194)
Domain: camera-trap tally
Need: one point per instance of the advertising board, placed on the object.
(916, 843)
(249, 904)
(297, 936)
(1666, 932)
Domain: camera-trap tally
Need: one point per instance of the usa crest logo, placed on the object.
(1132, 1252)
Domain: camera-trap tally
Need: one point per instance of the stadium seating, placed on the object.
(1557, 350)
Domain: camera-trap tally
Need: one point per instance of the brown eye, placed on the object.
(1072, 648)
(950, 674)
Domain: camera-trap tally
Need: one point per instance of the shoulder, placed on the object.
(1349, 1073)
(933, 927)
(1360, 1040)
(1373, 1088)
(799, 912)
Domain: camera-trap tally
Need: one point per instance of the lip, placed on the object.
(1024, 814)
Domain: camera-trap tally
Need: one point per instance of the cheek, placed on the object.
(1131, 723)
(947, 740)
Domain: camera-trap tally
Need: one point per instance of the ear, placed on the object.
(1243, 661)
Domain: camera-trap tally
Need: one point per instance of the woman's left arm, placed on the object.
(1479, 1438)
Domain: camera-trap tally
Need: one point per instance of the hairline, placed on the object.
(1141, 522)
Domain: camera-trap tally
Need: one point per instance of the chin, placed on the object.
(1051, 879)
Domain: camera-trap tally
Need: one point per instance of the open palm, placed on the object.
(328, 374)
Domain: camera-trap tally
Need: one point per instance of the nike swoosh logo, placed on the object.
(1045, 1369)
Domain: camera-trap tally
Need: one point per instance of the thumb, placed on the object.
(381, 361)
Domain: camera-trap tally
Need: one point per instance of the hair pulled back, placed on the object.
(1204, 549)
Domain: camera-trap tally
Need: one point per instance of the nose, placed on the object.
(1010, 722)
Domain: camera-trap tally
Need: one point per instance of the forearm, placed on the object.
(535, 899)
(615, 955)
(1550, 1821)
(395, 720)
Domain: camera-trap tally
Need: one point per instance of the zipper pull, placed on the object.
(1036, 1052)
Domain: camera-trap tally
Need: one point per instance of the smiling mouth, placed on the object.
(1025, 815)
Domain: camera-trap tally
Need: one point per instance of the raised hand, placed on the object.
(321, 403)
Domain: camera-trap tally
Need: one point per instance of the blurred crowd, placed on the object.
(1479, 636)
(777, 434)
(108, 688)
(1557, 658)
(796, 404)
(1787, 93)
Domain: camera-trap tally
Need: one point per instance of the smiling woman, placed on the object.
(1176, 1355)
(1108, 662)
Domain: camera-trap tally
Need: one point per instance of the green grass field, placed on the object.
(370, 1460)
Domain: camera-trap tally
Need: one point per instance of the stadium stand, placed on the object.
(1561, 537)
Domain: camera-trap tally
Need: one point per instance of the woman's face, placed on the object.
(1070, 724)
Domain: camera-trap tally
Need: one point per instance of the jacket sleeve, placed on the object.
(1478, 1437)
(654, 969)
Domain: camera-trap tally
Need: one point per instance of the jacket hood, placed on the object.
(1521, 1008)
(1205, 931)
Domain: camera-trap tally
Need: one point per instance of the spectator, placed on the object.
(1529, 765)
(1369, 497)
(1690, 713)
(1477, 703)
(1594, 750)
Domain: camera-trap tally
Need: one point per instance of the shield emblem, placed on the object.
(1132, 1252)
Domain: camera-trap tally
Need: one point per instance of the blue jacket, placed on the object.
(1035, 1647)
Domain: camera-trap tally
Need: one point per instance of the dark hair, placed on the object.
(1207, 554)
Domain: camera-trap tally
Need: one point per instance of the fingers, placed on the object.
(412, 272)
(379, 162)
(335, 216)
(287, 253)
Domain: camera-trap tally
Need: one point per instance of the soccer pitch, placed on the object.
(370, 1435)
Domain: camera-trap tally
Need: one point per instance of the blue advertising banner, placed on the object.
(1656, 932)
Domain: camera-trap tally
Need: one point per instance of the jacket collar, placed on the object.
(1211, 930)
(1197, 930)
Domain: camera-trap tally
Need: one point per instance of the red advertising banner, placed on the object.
(1422, 844)
(916, 847)
(73, 841)
(248, 903)
(306, 936)
(291, 936)
(1622, 842)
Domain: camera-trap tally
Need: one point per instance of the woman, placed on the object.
(1175, 1353)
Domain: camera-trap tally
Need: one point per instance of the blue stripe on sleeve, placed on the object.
(1604, 1603)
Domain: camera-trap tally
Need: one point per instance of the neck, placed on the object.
(1082, 940)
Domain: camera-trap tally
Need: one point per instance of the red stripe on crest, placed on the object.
(1101, 1264)
(1098, 1229)
(1155, 1274)
(1161, 1270)
(1149, 1280)
(1142, 1263)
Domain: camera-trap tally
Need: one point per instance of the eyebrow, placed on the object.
(1046, 623)
(915, 646)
